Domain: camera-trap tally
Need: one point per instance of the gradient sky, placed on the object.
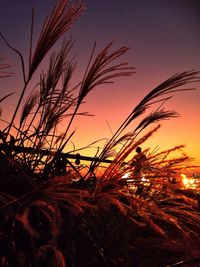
(164, 36)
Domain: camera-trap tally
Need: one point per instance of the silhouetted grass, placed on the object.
(53, 217)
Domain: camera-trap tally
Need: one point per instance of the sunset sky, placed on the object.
(164, 37)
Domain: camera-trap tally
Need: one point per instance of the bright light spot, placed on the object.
(185, 181)
(191, 181)
(183, 176)
(143, 179)
(131, 180)
(126, 175)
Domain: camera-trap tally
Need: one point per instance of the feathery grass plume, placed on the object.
(169, 86)
(101, 71)
(120, 141)
(160, 212)
(62, 17)
(58, 65)
(110, 191)
(182, 209)
(141, 210)
(60, 20)
(120, 157)
(53, 103)
(43, 217)
(53, 117)
(156, 116)
(28, 107)
(161, 156)
(48, 94)
(74, 200)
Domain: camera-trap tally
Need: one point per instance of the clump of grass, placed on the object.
(53, 218)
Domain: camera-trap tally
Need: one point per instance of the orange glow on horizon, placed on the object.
(111, 110)
(157, 54)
